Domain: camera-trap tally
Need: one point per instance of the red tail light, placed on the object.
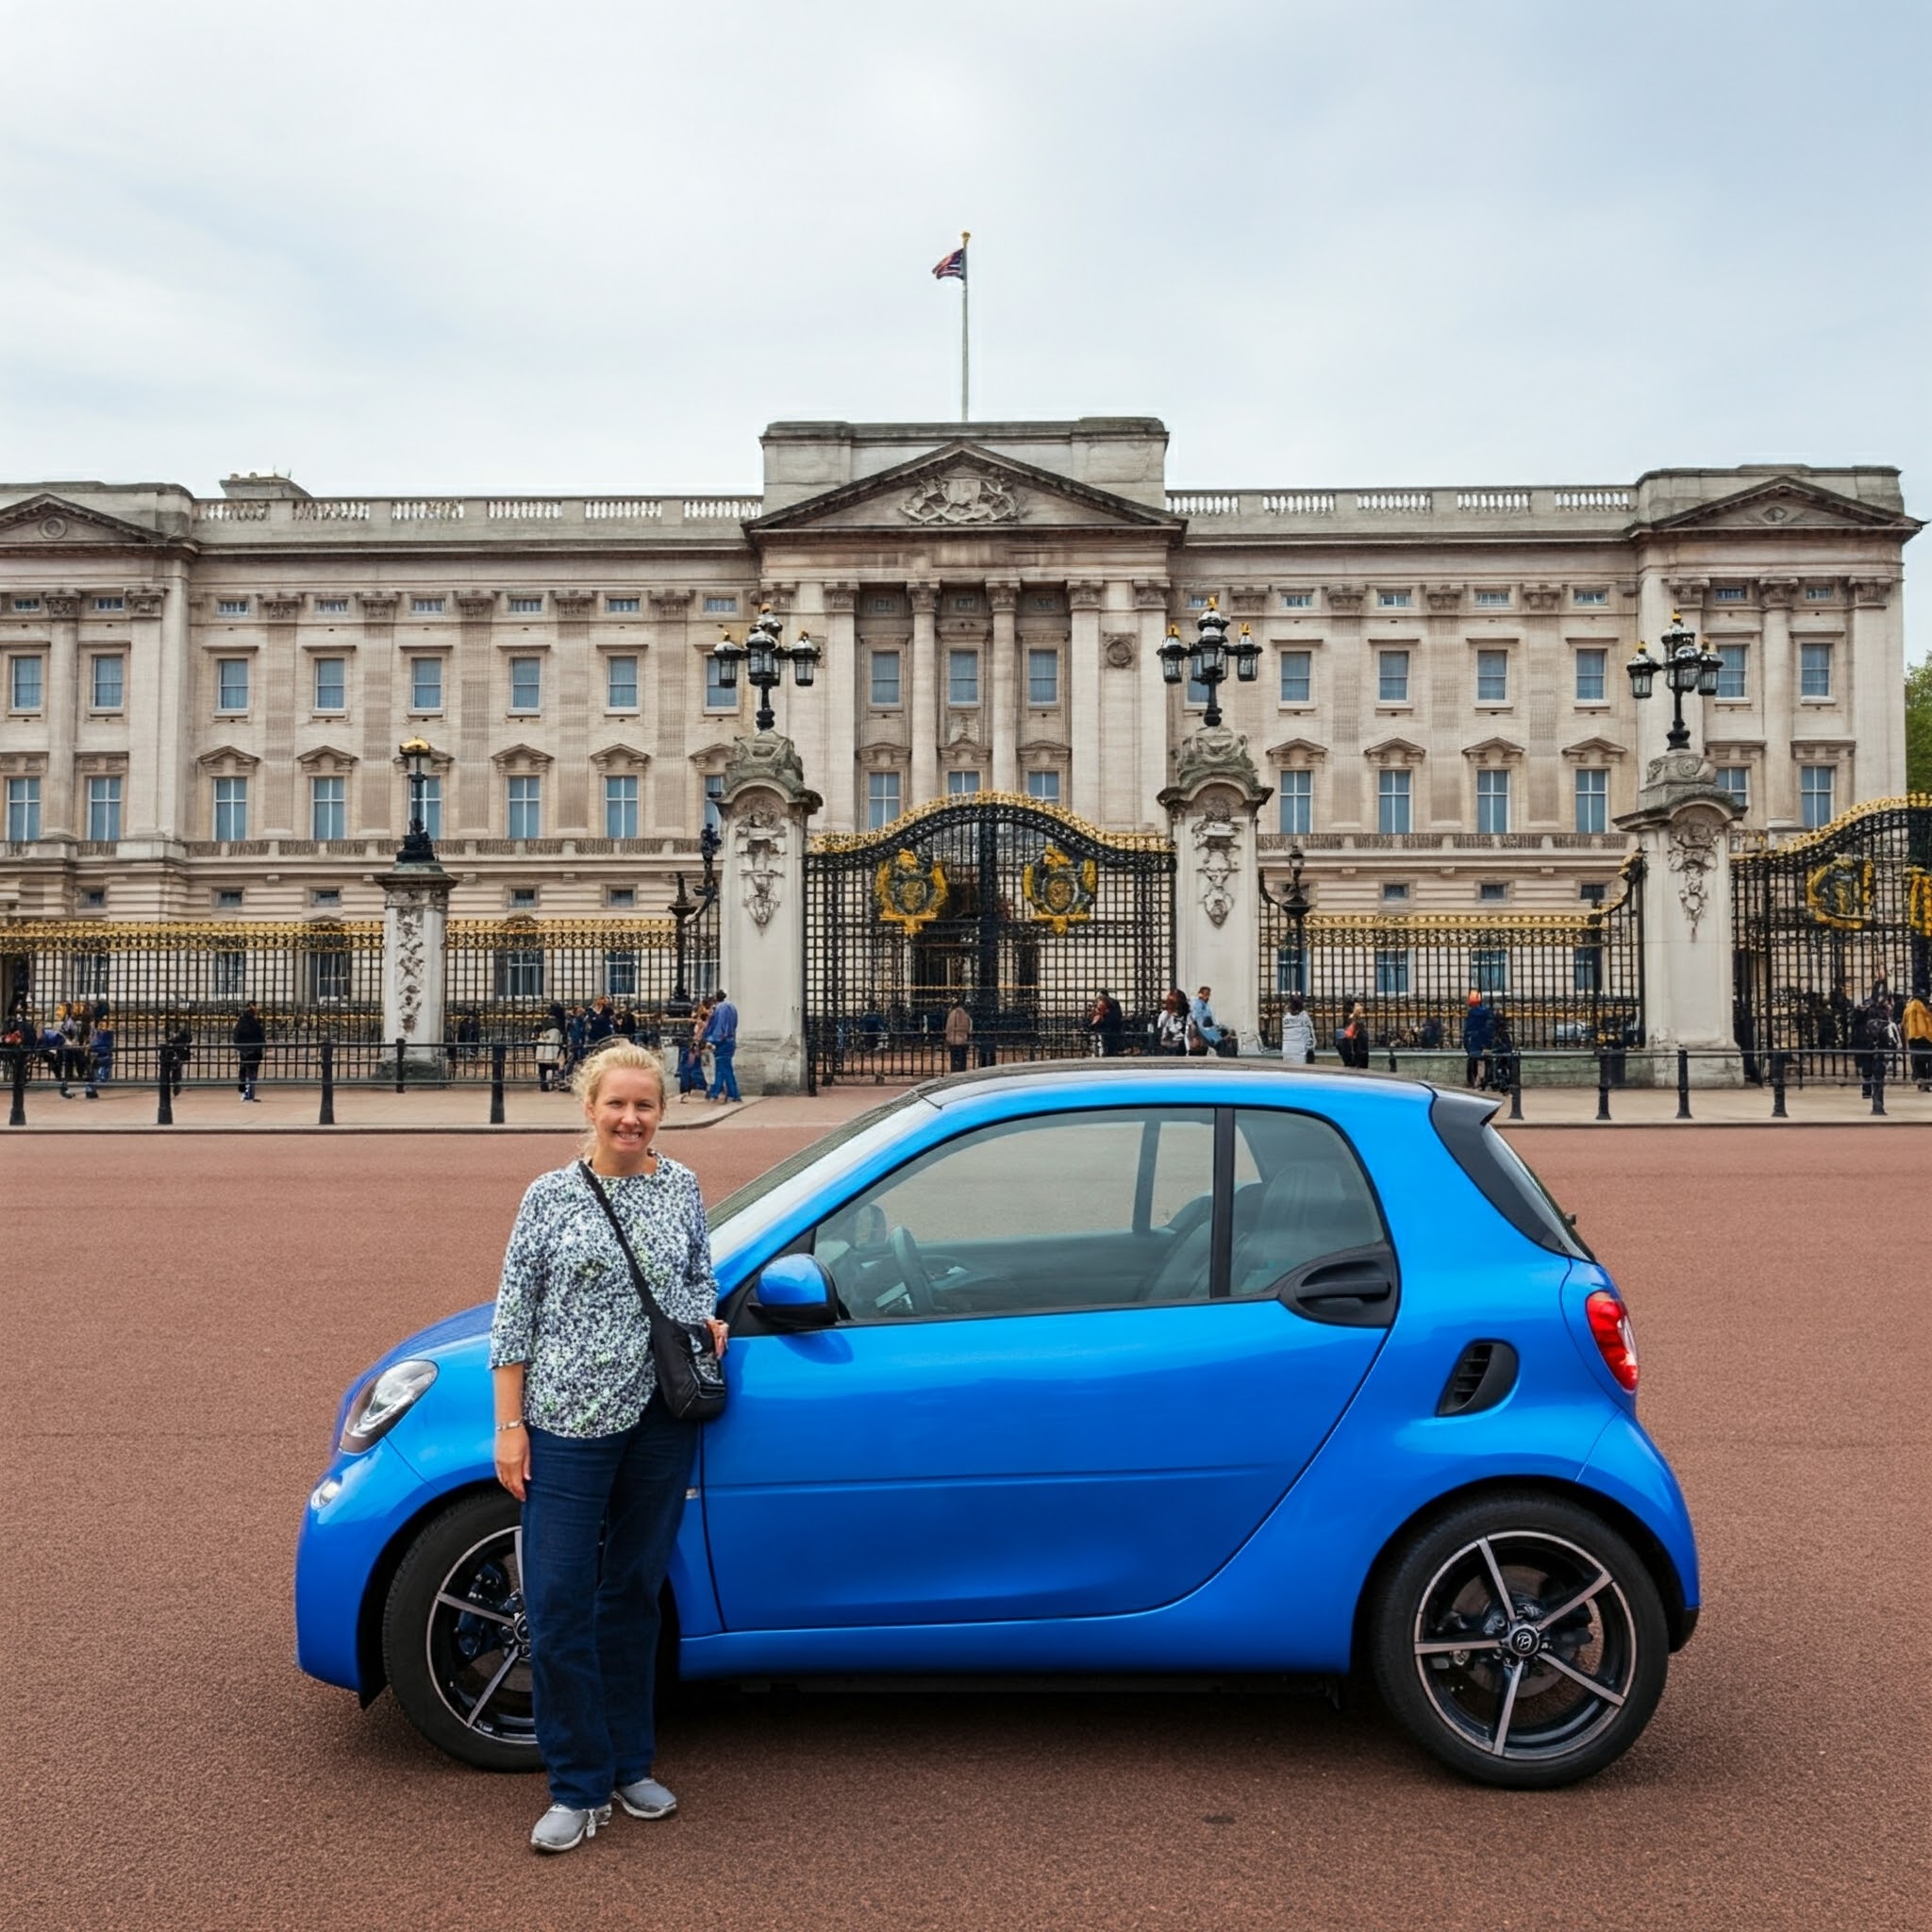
(1609, 1328)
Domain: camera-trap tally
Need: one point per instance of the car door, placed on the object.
(1041, 1399)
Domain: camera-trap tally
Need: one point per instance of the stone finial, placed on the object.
(1215, 755)
(770, 760)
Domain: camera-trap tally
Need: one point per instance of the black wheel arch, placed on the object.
(1680, 1618)
(369, 1668)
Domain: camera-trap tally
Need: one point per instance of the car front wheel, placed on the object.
(1521, 1640)
(455, 1639)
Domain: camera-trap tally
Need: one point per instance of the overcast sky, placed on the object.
(596, 246)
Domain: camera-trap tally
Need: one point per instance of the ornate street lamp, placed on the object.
(1208, 658)
(1685, 669)
(764, 656)
(417, 847)
(684, 908)
(1294, 900)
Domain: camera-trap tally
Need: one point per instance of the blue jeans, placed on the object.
(593, 1625)
(723, 1079)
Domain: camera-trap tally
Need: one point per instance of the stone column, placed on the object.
(761, 908)
(1876, 707)
(143, 815)
(1004, 598)
(1083, 696)
(922, 705)
(1150, 616)
(841, 673)
(670, 812)
(1779, 805)
(1681, 825)
(1214, 804)
(60, 696)
(415, 919)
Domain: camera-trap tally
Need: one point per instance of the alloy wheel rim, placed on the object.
(478, 1641)
(1525, 1645)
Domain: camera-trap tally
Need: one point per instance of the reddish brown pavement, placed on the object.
(184, 1312)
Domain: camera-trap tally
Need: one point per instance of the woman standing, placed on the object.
(584, 1445)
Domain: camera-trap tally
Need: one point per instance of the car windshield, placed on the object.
(854, 1138)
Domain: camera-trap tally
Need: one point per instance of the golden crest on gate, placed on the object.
(1059, 891)
(911, 894)
(1919, 900)
(1838, 894)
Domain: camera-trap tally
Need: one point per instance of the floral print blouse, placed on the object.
(567, 1307)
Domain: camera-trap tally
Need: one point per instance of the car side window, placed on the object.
(1309, 1197)
(1061, 1211)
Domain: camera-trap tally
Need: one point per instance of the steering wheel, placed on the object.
(911, 1266)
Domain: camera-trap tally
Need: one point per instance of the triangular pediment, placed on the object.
(963, 487)
(233, 756)
(519, 757)
(1291, 750)
(1589, 750)
(46, 521)
(1396, 751)
(318, 754)
(618, 756)
(1786, 503)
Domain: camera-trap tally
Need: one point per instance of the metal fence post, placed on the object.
(16, 1111)
(326, 1117)
(496, 1056)
(1516, 1100)
(1777, 1087)
(164, 1100)
(402, 1047)
(1603, 1086)
(1683, 1084)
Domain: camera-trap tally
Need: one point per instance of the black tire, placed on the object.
(462, 1676)
(1539, 1695)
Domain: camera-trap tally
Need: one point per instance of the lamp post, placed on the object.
(1294, 900)
(764, 656)
(417, 847)
(1685, 669)
(1208, 658)
(684, 908)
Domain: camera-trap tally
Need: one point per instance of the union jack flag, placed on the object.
(954, 265)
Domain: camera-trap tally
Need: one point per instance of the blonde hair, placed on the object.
(608, 1057)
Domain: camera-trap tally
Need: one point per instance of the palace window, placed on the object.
(231, 684)
(108, 606)
(1815, 787)
(1392, 971)
(332, 607)
(1044, 786)
(1392, 677)
(1492, 600)
(714, 794)
(25, 684)
(961, 784)
(1297, 802)
(519, 973)
(1295, 676)
(107, 690)
(1493, 678)
(523, 817)
(1587, 968)
(527, 607)
(1592, 666)
(327, 895)
(885, 677)
(1732, 670)
(328, 808)
(1814, 671)
(1591, 891)
(26, 603)
(1391, 801)
(629, 607)
(104, 808)
(426, 684)
(621, 973)
(1395, 600)
(432, 806)
(1590, 600)
(231, 606)
(1735, 780)
(228, 899)
(230, 968)
(621, 684)
(328, 972)
(1297, 600)
(621, 899)
(1729, 593)
(426, 607)
(1592, 800)
(881, 799)
(882, 607)
(720, 606)
(621, 806)
(1042, 677)
(1489, 969)
(1395, 893)
(962, 677)
(231, 807)
(331, 684)
(526, 684)
(1818, 593)
(1492, 892)
(1492, 801)
(23, 808)
(718, 697)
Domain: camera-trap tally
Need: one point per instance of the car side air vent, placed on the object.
(1484, 1374)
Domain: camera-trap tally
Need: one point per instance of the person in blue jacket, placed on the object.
(1478, 1029)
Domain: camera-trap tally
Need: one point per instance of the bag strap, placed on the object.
(636, 1274)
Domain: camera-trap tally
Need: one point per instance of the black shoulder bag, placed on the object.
(691, 1378)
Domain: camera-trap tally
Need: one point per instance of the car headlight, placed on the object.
(381, 1402)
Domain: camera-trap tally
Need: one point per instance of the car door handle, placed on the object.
(1355, 1291)
(1355, 1280)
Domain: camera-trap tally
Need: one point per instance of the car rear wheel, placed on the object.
(455, 1640)
(1521, 1640)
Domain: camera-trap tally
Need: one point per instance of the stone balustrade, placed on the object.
(238, 520)
(1589, 507)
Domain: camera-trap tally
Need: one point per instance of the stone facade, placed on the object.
(209, 693)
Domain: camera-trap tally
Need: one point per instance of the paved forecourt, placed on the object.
(185, 1311)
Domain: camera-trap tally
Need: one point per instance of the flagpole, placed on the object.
(965, 315)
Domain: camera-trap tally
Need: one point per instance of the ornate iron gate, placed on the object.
(1018, 909)
(1815, 921)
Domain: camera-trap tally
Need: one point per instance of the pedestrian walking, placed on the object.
(178, 1049)
(721, 1035)
(1916, 1027)
(1502, 1065)
(100, 1057)
(585, 1442)
(1478, 1029)
(549, 1057)
(250, 1037)
(576, 1039)
(1297, 1033)
(958, 1035)
(1352, 1041)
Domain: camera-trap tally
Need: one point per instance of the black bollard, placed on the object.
(1516, 1100)
(1603, 1086)
(1878, 1084)
(326, 1116)
(164, 1100)
(402, 1047)
(16, 1112)
(1777, 1087)
(496, 1054)
(1683, 1084)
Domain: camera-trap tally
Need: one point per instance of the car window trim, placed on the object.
(1221, 1247)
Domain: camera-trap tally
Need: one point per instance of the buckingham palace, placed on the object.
(206, 694)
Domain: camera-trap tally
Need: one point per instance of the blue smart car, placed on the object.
(1100, 1369)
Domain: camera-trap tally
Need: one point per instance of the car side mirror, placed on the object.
(794, 1294)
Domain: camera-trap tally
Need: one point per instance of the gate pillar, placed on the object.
(1213, 803)
(765, 804)
(415, 926)
(1682, 825)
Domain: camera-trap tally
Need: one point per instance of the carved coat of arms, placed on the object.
(1838, 894)
(911, 893)
(1060, 890)
(1919, 899)
(969, 498)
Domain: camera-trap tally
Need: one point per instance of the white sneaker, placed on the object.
(562, 1829)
